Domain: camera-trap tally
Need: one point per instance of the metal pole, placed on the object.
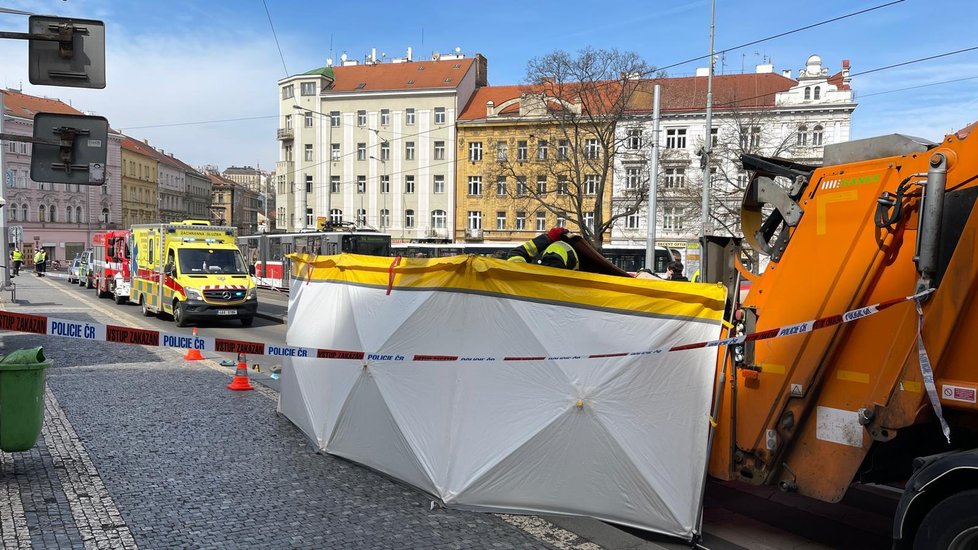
(4, 230)
(653, 182)
(707, 151)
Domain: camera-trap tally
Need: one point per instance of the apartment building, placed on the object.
(764, 113)
(140, 171)
(373, 144)
(60, 218)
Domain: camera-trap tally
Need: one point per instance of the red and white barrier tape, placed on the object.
(97, 332)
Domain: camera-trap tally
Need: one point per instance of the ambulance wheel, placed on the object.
(247, 321)
(142, 304)
(179, 315)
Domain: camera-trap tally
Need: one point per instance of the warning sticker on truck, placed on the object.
(958, 393)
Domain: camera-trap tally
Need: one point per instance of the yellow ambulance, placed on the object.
(191, 270)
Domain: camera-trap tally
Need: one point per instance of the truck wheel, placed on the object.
(247, 321)
(951, 525)
(179, 315)
(99, 292)
(142, 304)
(121, 299)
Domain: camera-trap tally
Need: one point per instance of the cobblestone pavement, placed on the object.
(142, 449)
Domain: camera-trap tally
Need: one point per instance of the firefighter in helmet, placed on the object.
(547, 249)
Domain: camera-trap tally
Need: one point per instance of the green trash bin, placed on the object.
(21, 399)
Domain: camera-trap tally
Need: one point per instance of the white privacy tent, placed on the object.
(479, 386)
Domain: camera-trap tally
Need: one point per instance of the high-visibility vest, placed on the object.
(38, 257)
(18, 256)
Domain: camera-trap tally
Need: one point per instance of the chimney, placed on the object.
(490, 109)
(702, 71)
(481, 71)
(373, 55)
(764, 69)
(786, 73)
(409, 53)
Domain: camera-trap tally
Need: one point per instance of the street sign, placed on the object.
(17, 234)
(69, 149)
(71, 52)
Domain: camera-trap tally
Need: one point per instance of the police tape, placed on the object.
(97, 332)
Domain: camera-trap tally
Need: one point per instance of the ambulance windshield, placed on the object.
(205, 261)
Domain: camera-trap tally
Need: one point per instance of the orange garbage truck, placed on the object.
(888, 398)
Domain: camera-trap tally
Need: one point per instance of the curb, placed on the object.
(271, 317)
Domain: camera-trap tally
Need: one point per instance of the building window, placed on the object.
(439, 115)
(563, 147)
(591, 184)
(361, 217)
(808, 92)
(676, 138)
(308, 152)
(501, 150)
(361, 184)
(561, 185)
(409, 183)
(561, 219)
(361, 151)
(475, 151)
(42, 213)
(501, 185)
(675, 178)
(541, 221)
(439, 184)
(672, 217)
(475, 219)
(439, 219)
(334, 151)
(541, 185)
(818, 92)
(288, 92)
(307, 88)
(817, 132)
(591, 149)
(361, 118)
(803, 135)
(309, 220)
(631, 221)
(287, 153)
(335, 215)
(385, 218)
(409, 218)
(409, 150)
(308, 184)
(634, 139)
(78, 213)
(500, 219)
(307, 119)
(334, 119)
(543, 149)
(520, 186)
(520, 221)
(385, 117)
(633, 175)
(385, 151)
(475, 185)
(385, 184)
(588, 220)
(409, 117)
(105, 215)
(521, 150)
(714, 136)
(750, 137)
(68, 212)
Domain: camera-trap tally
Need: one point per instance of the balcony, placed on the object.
(473, 234)
(285, 134)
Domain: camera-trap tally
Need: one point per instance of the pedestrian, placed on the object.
(44, 262)
(549, 249)
(18, 260)
(38, 255)
(675, 271)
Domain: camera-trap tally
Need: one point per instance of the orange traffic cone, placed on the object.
(193, 354)
(240, 381)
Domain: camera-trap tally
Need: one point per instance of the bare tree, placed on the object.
(574, 104)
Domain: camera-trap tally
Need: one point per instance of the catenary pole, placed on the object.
(707, 152)
(653, 182)
(4, 229)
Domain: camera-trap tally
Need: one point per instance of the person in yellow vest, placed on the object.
(39, 258)
(18, 258)
(547, 249)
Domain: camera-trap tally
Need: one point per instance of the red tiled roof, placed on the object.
(137, 146)
(401, 76)
(679, 94)
(836, 80)
(23, 105)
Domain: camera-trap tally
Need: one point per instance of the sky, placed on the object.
(177, 67)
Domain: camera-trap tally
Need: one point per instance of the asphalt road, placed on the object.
(735, 517)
